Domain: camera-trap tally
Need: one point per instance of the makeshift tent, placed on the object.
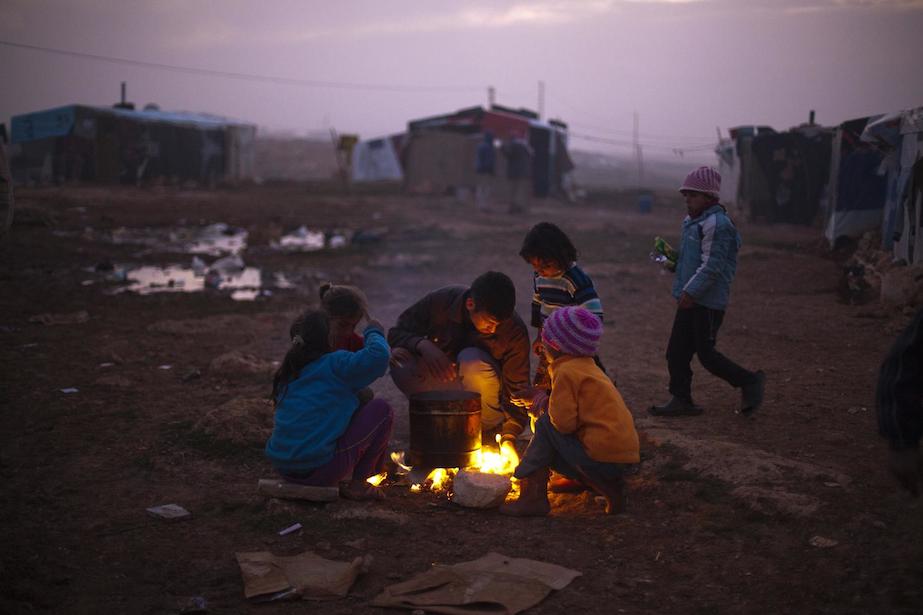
(729, 168)
(908, 216)
(436, 160)
(376, 160)
(752, 187)
(856, 190)
(109, 145)
(796, 167)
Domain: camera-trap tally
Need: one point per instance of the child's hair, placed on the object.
(493, 292)
(310, 340)
(343, 301)
(546, 241)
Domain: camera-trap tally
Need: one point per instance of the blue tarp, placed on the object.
(42, 124)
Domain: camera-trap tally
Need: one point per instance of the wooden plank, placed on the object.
(277, 488)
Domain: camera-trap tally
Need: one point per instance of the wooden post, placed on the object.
(278, 488)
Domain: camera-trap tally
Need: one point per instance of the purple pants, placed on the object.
(360, 451)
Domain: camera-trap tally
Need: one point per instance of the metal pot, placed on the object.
(445, 429)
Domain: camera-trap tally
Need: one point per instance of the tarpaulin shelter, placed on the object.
(440, 151)
(899, 136)
(729, 168)
(377, 160)
(112, 145)
(752, 187)
(856, 188)
(796, 167)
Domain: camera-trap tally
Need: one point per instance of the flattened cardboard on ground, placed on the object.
(278, 488)
(169, 512)
(492, 584)
(307, 575)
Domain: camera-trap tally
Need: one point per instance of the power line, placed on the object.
(343, 85)
(632, 144)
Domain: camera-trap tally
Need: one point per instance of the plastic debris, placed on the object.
(169, 512)
(69, 390)
(290, 529)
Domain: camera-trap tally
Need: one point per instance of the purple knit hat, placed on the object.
(573, 330)
(703, 179)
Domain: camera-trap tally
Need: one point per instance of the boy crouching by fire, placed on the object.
(583, 430)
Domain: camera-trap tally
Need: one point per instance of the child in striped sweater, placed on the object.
(557, 282)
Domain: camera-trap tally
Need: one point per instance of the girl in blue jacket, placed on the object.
(321, 436)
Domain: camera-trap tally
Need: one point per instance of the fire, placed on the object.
(377, 479)
(502, 460)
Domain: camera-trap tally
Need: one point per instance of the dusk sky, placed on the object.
(686, 66)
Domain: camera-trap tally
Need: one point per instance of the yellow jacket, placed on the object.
(586, 403)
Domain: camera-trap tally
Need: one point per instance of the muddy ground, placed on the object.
(721, 518)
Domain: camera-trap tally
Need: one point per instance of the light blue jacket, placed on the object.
(314, 409)
(707, 258)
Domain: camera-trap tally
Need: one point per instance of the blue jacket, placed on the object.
(707, 258)
(314, 409)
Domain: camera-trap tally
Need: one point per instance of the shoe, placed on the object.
(533, 497)
(612, 489)
(675, 407)
(752, 394)
(563, 484)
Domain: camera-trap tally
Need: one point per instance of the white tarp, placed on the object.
(374, 161)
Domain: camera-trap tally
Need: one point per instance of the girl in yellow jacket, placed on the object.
(587, 432)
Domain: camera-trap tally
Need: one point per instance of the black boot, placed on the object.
(675, 407)
(751, 395)
(533, 497)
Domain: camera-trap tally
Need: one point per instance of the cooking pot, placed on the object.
(445, 429)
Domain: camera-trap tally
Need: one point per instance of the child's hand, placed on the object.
(537, 349)
(400, 357)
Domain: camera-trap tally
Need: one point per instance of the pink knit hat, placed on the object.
(703, 179)
(573, 330)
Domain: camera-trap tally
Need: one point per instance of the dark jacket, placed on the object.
(486, 156)
(899, 394)
(518, 159)
(441, 317)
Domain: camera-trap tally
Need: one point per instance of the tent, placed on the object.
(907, 216)
(440, 150)
(752, 187)
(856, 187)
(376, 160)
(729, 168)
(796, 166)
(110, 145)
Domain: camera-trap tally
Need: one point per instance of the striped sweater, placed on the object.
(573, 287)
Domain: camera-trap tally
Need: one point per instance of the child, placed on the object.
(557, 282)
(587, 432)
(705, 268)
(321, 434)
(345, 306)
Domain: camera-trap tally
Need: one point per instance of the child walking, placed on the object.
(321, 434)
(587, 432)
(702, 285)
(557, 282)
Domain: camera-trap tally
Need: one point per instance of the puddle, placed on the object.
(245, 284)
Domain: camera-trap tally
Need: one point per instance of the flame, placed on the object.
(377, 479)
(501, 460)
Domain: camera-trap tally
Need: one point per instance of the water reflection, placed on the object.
(246, 284)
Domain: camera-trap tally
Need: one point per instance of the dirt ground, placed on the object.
(721, 518)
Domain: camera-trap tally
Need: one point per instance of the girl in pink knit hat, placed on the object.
(587, 432)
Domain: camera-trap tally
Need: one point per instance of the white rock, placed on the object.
(480, 490)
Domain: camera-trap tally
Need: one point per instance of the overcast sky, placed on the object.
(686, 66)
